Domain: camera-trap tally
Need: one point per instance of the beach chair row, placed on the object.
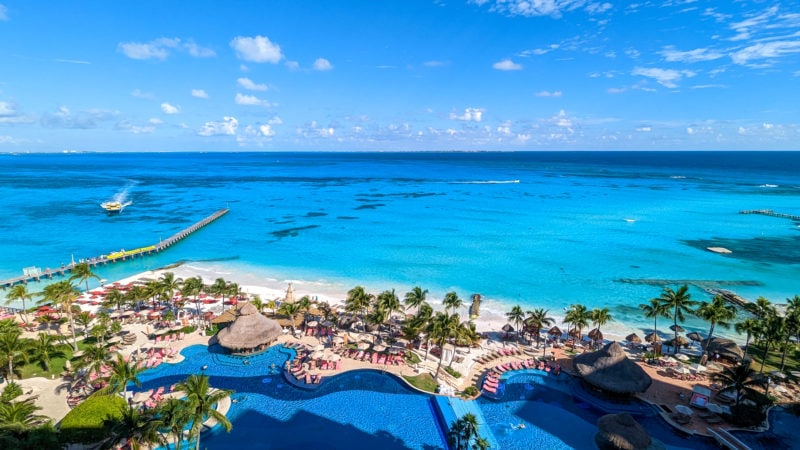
(508, 351)
(170, 337)
(375, 358)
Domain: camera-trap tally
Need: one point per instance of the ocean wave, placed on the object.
(768, 186)
(678, 177)
(486, 182)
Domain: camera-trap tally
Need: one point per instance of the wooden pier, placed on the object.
(112, 257)
(770, 213)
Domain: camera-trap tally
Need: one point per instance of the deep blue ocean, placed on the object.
(541, 229)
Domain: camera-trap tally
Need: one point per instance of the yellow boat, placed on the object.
(112, 207)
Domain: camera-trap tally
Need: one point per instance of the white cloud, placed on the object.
(72, 61)
(199, 93)
(562, 120)
(435, 63)
(83, 120)
(614, 90)
(197, 51)
(257, 49)
(155, 121)
(155, 49)
(744, 28)
(548, 94)
(507, 64)
(129, 127)
(249, 84)
(539, 51)
(227, 127)
(697, 55)
(139, 94)
(250, 100)
(665, 77)
(275, 121)
(552, 8)
(266, 130)
(470, 115)
(292, 65)
(170, 109)
(322, 64)
(9, 114)
(3, 12)
(764, 50)
(644, 129)
(6, 139)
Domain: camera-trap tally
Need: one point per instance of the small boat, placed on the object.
(112, 207)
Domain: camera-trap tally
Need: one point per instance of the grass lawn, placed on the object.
(773, 361)
(34, 369)
(423, 382)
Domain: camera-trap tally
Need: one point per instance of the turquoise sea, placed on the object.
(536, 229)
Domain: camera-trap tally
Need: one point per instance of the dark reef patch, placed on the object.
(292, 232)
(770, 250)
(370, 206)
(316, 214)
(346, 217)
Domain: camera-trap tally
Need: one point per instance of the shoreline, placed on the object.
(492, 312)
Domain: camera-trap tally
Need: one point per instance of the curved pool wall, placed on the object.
(363, 409)
(557, 413)
(782, 433)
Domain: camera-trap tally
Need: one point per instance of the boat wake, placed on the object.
(486, 182)
(119, 201)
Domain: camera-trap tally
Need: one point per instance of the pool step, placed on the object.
(453, 408)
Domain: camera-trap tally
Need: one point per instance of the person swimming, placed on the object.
(204, 368)
(517, 427)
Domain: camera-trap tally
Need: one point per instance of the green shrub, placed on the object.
(423, 382)
(212, 330)
(411, 358)
(746, 415)
(454, 373)
(85, 423)
(471, 391)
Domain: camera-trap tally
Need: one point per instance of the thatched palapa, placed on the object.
(610, 370)
(249, 331)
(725, 347)
(622, 432)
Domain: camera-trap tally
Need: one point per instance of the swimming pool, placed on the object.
(356, 410)
(555, 418)
(782, 433)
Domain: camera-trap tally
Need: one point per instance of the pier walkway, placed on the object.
(32, 274)
(771, 213)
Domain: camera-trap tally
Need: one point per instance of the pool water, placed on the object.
(555, 418)
(782, 433)
(355, 410)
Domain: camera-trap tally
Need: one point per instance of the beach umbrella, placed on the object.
(697, 367)
(695, 336)
(338, 340)
(114, 340)
(555, 331)
(652, 337)
(683, 370)
(677, 328)
(327, 323)
(669, 359)
(379, 348)
(363, 345)
(317, 354)
(779, 374)
(313, 323)
(633, 338)
(335, 357)
(682, 357)
(576, 333)
(142, 396)
(681, 341)
(507, 328)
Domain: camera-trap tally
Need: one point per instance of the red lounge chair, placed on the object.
(374, 358)
(308, 378)
(491, 389)
(382, 359)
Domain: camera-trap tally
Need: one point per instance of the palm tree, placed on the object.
(20, 292)
(600, 317)
(201, 399)
(538, 319)
(64, 294)
(220, 287)
(115, 298)
(440, 329)
(481, 443)
(46, 347)
(13, 349)
(82, 272)
(175, 415)
(138, 294)
(774, 330)
(170, 284)
(415, 297)
(718, 312)
(120, 374)
(191, 288)
(84, 319)
(653, 310)
(291, 310)
(516, 315)
(462, 431)
(452, 301)
(389, 303)
(139, 427)
(256, 301)
(750, 327)
(304, 304)
(740, 379)
(679, 302)
(761, 308)
(271, 305)
(578, 318)
(358, 301)
(94, 358)
(20, 416)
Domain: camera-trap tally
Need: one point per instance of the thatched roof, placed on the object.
(633, 338)
(652, 337)
(610, 369)
(555, 331)
(621, 432)
(229, 315)
(595, 334)
(249, 330)
(725, 347)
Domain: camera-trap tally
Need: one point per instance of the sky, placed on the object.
(412, 75)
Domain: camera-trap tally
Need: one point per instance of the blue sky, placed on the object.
(399, 75)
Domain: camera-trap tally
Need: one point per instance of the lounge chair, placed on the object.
(318, 379)
(374, 358)
(491, 389)
(308, 378)
(382, 359)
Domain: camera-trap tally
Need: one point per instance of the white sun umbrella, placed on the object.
(363, 345)
(668, 359)
(682, 357)
(335, 357)
(142, 396)
(779, 374)
(338, 340)
(114, 340)
(317, 354)
(682, 370)
(319, 347)
(697, 367)
(379, 348)
(327, 323)
(313, 323)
